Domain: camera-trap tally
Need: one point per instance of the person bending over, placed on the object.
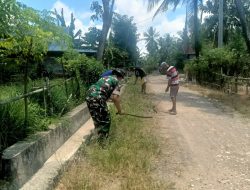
(105, 88)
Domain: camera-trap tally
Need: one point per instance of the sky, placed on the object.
(170, 22)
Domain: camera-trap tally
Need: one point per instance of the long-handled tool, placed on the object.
(140, 116)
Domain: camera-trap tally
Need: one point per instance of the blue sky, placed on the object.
(170, 22)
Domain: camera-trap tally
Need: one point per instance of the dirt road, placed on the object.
(205, 146)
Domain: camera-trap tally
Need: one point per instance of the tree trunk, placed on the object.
(245, 30)
(65, 80)
(185, 35)
(107, 19)
(102, 41)
(196, 30)
(220, 27)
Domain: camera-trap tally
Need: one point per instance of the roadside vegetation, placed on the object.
(44, 107)
(27, 36)
(126, 161)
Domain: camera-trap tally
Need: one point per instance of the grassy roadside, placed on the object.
(125, 163)
(240, 103)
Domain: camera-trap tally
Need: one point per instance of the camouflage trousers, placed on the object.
(100, 114)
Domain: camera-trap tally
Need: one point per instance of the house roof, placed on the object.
(56, 48)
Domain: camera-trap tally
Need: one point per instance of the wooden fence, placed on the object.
(228, 84)
(46, 93)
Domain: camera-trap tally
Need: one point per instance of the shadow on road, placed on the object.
(192, 100)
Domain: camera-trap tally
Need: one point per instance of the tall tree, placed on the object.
(91, 38)
(29, 40)
(194, 6)
(70, 29)
(106, 13)
(220, 31)
(151, 40)
(8, 14)
(124, 37)
(232, 23)
(243, 21)
(167, 48)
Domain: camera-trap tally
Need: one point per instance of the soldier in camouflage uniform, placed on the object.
(105, 88)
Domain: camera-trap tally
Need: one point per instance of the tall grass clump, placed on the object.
(59, 100)
(12, 126)
(125, 161)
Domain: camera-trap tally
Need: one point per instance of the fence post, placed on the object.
(65, 82)
(236, 85)
(44, 101)
(194, 79)
(229, 90)
(72, 86)
(48, 95)
(247, 87)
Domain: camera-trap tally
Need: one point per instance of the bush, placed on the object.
(217, 60)
(82, 67)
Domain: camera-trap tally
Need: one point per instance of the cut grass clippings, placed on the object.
(125, 161)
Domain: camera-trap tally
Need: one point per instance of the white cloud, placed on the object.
(135, 8)
(143, 19)
(85, 15)
(171, 27)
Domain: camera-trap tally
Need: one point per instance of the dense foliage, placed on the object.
(124, 38)
(232, 59)
(26, 35)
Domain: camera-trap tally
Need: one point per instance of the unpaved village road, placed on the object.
(205, 146)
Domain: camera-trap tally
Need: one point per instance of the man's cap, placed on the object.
(163, 63)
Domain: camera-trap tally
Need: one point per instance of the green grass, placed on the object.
(9, 92)
(125, 161)
(12, 125)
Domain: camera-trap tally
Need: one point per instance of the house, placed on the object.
(189, 52)
(55, 51)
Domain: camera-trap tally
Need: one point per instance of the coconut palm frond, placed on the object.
(152, 4)
(162, 8)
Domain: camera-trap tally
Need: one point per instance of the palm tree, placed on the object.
(150, 37)
(220, 28)
(108, 6)
(104, 12)
(194, 7)
(243, 21)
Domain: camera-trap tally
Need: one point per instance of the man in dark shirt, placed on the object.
(139, 72)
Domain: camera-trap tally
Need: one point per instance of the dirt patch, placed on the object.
(205, 146)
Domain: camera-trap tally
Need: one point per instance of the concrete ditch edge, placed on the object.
(23, 159)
